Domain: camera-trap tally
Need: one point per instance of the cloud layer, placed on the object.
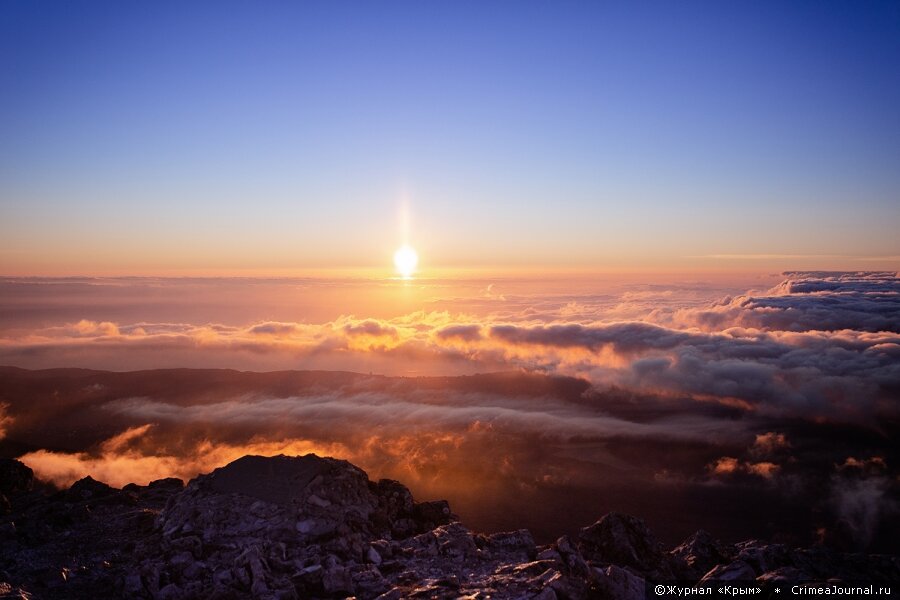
(817, 344)
(770, 402)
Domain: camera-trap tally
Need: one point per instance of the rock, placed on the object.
(133, 585)
(572, 559)
(699, 553)
(170, 484)
(316, 501)
(368, 581)
(277, 479)
(15, 477)
(568, 587)
(308, 579)
(784, 574)
(519, 541)
(8, 530)
(735, 571)
(190, 543)
(432, 514)
(17, 593)
(181, 561)
(549, 554)
(319, 510)
(625, 541)
(545, 594)
(286, 528)
(337, 580)
(621, 584)
(89, 488)
(534, 568)
(394, 499)
(763, 557)
(223, 578)
(435, 588)
(384, 548)
(170, 592)
(315, 528)
(455, 542)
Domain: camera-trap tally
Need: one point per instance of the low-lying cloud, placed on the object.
(799, 349)
(785, 398)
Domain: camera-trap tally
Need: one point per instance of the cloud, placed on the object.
(766, 470)
(769, 443)
(395, 412)
(839, 376)
(729, 466)
(123, 459)
(275, 329)
(861, 504)
(815, 346)
(874, 464)
(370, 327)
(795, 386)
(507, 449)
(867, 301)
(725, 466)
(466, 333)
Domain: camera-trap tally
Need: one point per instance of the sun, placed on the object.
(405, 261)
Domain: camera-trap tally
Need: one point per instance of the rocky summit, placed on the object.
(308, 527)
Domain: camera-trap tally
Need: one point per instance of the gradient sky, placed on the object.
(277, 136)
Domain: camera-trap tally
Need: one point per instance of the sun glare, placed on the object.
(405, 261)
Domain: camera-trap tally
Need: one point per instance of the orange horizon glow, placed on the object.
(718, 267)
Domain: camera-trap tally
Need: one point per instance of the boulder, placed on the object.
(621, 584)
(429, 515)
(88, 488)
(699, 553)
(171, 484)
(519, 542)
(277, 479)
(625, 541)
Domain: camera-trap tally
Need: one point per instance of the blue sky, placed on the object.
(287, 135)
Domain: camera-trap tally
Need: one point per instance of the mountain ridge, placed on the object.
(316, 527)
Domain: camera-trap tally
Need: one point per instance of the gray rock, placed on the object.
(621, 584)
(784, 574)
(626, 541)
(337, 580)
(519, 541)
(89, 488)
(545, 594)
(764, 557)
(170, 592)
(698, 554)
(324, 531)
(735, 571)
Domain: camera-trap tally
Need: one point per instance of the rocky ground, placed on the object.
(311, 527)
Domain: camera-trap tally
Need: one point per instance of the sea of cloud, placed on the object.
(766, 412)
